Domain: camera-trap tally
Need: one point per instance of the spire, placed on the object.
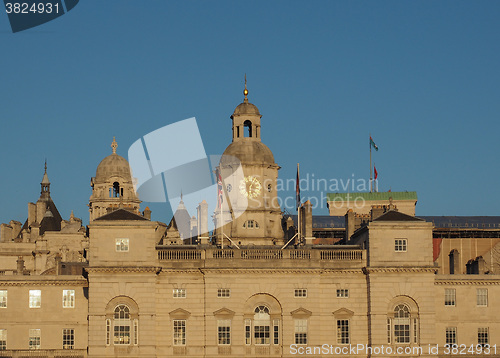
(114, 145)
(45, 184)
(45, 179)
(245, 91)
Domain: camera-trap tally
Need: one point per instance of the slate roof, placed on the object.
(397, 216)
(121, 214)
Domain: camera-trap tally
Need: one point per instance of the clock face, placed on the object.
(250, 187)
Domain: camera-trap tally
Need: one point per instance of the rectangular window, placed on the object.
(400, 245)
(3, 298)
(300, 331)
(34, 339)
(261, 334)
(248, 329)
(179, 332)
(276, 330)
(301, 292)
(35, 298)
(343, 293)
(449, 297)
(68, 298)
(224, 331)
(179, 292)
(482, 336)
(389, 330)
(136, 332)
(121, 245)
(108, 332)
(451, 335)
(121, 331)
(482, 297)
(68, 338)
(3, 339)
(343, 331)
(223, 292)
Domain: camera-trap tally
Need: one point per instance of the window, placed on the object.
(400, 245)
(449, 297)
(3, 298)
(68, 298)
(262, 325)
(248, 329)
(482, 336)
(223, 292)
(300, 331)
(224, 331)
(251, 224)
(108, 332)
(34, 339)
(451, 335)
(68, 338)
(179, 332)
(343, 293)
(121, 245)
(136, 332)
(301, 292)
(343, 331)
(121, 329)
(35, 298)
(402, 324)
(179, 292)
(3, 339)
(482, 297)
(276, 330)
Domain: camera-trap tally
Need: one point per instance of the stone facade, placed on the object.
(129, 286)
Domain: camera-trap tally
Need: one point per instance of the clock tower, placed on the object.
(253, 215)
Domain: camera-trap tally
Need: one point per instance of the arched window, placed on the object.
(262, 325)
(248, 128)
(122, 325)
(402, 327)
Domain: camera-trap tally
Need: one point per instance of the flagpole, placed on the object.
(221, 226)
(371, 186)
(299, 204)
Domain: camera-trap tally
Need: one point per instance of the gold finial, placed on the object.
(245, 91)
(114, 145)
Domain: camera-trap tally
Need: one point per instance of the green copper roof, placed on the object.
(395, 195)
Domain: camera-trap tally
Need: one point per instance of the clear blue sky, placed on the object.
(421, 77)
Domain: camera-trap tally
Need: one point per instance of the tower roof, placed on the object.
(113, 165)
(246, 107)
(45, 179)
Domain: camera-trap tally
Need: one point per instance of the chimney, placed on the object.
(31, 213)
(308, 230)
(350, 224)
(147, 213)
(202, 211)
(58, 260)
(20, 265)
(5, 233)
(41, 208)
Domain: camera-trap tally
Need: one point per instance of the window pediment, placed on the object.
(343, 312)
(224, 313)
(179, 313)
(301, 313)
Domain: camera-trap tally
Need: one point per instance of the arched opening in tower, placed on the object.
(248, 128)
(116, 189)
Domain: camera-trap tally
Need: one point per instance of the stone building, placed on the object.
(129, 286)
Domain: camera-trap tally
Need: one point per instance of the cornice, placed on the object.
(369, 270)
(467, 282)
(124, 269)
(83, 282)
(318, 271)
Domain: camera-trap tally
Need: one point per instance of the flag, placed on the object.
(297, 188)
(372, 143)
(219, 188)
(375, 171)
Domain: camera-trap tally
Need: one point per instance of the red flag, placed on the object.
(297, 188)
(375, 171)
